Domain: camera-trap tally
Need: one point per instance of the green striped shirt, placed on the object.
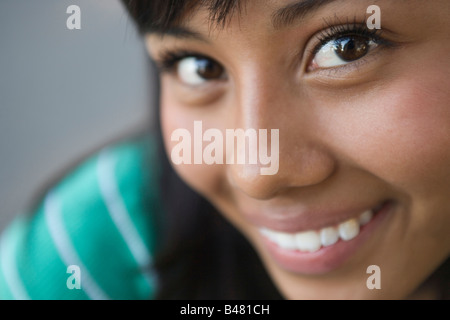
(92, 236)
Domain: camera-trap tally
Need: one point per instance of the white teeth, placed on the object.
(313, 240)
(269, 234)
(348, 229)
(365, 217)
(286, 241)
(308, 241)
(329, 236)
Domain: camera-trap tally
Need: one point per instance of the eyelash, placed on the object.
(336, 31)
(169, 59)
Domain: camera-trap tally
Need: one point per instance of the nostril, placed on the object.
(307, 166)
(248, 180)
(296, 170)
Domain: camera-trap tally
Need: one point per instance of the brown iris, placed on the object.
(209, 69)
(351, 48)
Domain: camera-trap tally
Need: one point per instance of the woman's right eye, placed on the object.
(195, 71)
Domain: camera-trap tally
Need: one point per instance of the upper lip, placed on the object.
(298, 219)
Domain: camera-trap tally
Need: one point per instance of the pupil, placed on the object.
(352, 48)
(208, 69)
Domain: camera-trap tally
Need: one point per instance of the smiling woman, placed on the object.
(356, 108)
(364, 146)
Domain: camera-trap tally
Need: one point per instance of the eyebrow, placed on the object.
(295, 11)
(181, 33)
(280, 19)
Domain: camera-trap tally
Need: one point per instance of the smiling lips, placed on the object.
(310, 241)
(313, 240)
(321, 250)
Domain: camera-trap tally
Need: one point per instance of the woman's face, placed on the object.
(364, 127)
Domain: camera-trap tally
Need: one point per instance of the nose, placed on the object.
(263, 103)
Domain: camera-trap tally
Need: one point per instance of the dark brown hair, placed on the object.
(157, 16)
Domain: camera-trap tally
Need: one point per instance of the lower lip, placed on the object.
(329, 258)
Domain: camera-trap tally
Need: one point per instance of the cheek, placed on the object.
(404, 134)
(205, 179)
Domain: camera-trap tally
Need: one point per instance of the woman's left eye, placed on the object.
(195, 71)
(341, 51)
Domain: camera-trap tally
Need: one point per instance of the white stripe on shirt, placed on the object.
(65, 247)
(8, 263)
(119, 213)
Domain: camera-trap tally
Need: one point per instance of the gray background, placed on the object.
(64, 93)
